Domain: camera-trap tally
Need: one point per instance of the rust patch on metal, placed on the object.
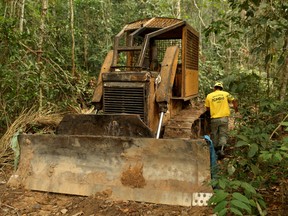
(133, 176)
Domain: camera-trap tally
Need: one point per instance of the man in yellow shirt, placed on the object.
(217, 103)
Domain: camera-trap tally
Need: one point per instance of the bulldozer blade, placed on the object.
(165, 171)
(129, 125)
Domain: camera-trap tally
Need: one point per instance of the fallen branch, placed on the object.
(278, 126)
(11, 207)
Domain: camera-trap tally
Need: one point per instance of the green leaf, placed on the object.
(241, 143)
(235, 211)
(252, 203)
(281, 60)
(222, 184)
(223, 212)
(284, 148)
(244, 138)
(243, 162)
(218, 196)
(253, 150)
(241, 197)
(284, 124)
(262, 203)
(278, 157)
(254, 169)
(241, 205)
(220, 206)
(285, 155)
(265, 155)
(235, 184)
(249, 188)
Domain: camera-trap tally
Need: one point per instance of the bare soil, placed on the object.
(21, 202)
(29, 203)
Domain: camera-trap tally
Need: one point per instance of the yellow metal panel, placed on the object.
(167, 73)
(184, 41)
(189, 76)
(191, 83)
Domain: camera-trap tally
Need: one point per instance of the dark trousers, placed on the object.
(219, 132)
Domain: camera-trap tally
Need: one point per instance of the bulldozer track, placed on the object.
(188, 123)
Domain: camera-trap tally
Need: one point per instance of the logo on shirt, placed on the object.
(217, 98)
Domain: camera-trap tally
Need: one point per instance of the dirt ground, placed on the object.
(21, 202)
(32, 203)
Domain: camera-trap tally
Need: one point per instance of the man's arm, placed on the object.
(235, 105)
(207, 104)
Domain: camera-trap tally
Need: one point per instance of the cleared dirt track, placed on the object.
(27, 203)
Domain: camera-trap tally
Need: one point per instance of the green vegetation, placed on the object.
(48, 57)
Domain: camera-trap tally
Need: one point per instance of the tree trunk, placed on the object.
(229, 52)
(42, 29)
(12, 9)
(85, 39)
(40, 50)
(22, 16)
(5, 11)
(284, 79)
(85, 44)
(72, 37)
(201, 23)
(199, 13)
(178, 9)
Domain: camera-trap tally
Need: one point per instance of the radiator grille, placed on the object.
(124, 100)
(192, 51)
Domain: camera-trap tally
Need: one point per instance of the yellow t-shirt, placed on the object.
(218, 102)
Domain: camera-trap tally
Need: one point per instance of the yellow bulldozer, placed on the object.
(144, 141)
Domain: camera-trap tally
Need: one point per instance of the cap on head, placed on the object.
(218, 84)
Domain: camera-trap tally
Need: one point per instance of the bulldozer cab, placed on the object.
(151, 57)
(144, 44)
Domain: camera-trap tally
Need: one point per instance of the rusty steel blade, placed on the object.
(166, 171)
(129, 125)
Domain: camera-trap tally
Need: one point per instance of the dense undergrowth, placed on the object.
(257, 160)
